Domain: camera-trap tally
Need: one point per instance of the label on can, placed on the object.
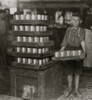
(39, 51)
(15, 28)
(28, 17)
(30, 39)
(41, 39)
(47, 60)
(37, 28)
(21, 28)
(32, 28)
(33, 17)
(35, 61)
(62, 54)
(16, 17)
(43, 50)
(29, 61)
(46, 17)
(57, 54)
(19, 39)
(47, 49)
(36, 39)
(18, 60)
(18, 49)
(26, 28)
(39, 17)
(29, 50)
(40, 61)
(23, 49)
(44, 28)
(44, 61)
(34, 50)
(41, 28)
(23, 60)
(43, 17)
(22, 17)
(79, 52)
(24, 39)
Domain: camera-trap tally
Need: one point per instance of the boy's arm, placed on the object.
(83, 46)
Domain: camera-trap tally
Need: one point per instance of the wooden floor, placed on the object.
(85, 87)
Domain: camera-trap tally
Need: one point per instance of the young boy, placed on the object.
(74, 40)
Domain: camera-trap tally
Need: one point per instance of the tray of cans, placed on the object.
(29, 33)
(68, 55)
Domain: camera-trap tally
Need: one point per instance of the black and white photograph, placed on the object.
(45, 49)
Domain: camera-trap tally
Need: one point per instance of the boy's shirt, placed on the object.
(73, 37)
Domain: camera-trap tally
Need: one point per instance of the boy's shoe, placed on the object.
(67, 93)
(77, 94)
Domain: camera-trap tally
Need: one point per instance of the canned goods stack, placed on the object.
(68, 53)
(34, 26)
(32, 61)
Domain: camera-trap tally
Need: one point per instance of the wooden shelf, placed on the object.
(32, 44)
(29, 33)
(48, 54)
(28, 22)
(35, 67)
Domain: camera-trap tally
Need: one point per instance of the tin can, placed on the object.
(37, 28)
(16, 17)
(44, 28)
(68, 53)
(24, 39)
(36, 39)
(47, 60)
(24, 60)
(18, 49)
(26, 28)
(44, 61)
(41, 39)
(33, 17)
(47, 49)
(30, 39)
(23, 49)
(79, 52)
(19, 39)
(22, 17)
(39, 17)
(21, 28)
(40, 61)
(43, 50)
(34, 50)
(39, 51)
(18, 60)
(29, 50)
(28, 17)
(15, 28)
(62, 54)
(35, 61)
(29, 61)
(32, 28)
(57, 54)
(41, 28)
(43, 17)
(74, 53)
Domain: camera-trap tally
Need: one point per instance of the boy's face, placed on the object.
(76, 21)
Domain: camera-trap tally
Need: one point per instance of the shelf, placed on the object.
(32, 44)
(68, 58)
(34, 67)
(48, 54)
(28, 33)
(28, 22)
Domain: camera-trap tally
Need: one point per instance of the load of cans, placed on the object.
(31, 28)
(68, 53)
(30, 61)
(31, 39)
(32, 50)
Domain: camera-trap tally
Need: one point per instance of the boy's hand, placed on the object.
(62, 48)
